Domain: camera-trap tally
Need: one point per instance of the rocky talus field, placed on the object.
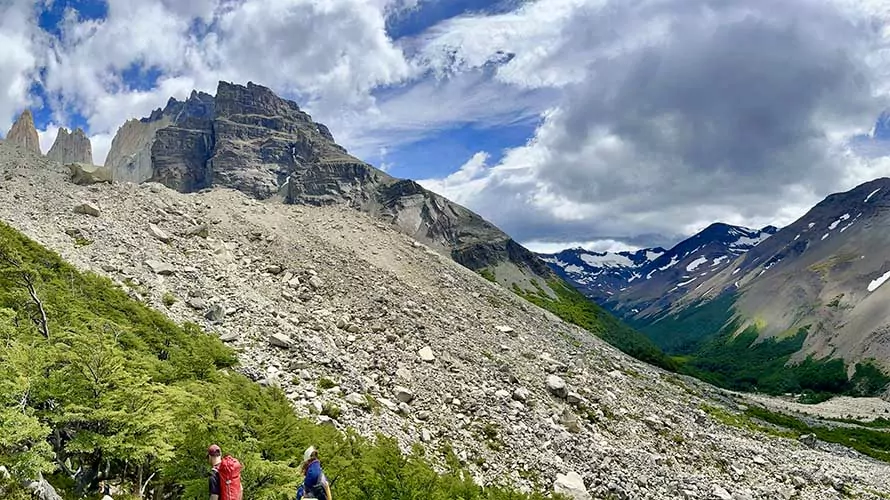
(362, 327)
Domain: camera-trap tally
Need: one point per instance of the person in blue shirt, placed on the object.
(315, 484)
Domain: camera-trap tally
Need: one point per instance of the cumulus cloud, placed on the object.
(19, 57)
(330, 55)
(676, 114)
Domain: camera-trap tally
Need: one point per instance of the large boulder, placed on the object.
(84, 174)
(571, 485)
(557, 386)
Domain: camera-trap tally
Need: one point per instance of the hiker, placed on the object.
(105, 488)
(225, 475)
(315, 484)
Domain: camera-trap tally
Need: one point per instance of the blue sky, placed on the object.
(603, 123)
(438, 153)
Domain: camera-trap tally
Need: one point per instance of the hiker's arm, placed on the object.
(214, 497)
(327, 490)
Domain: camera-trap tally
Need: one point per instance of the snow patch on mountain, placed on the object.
(607, 260)
(876, 283)
(696, 263)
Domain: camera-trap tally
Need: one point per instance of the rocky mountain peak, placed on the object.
(71, 147)
(249, 139)
(24, 134)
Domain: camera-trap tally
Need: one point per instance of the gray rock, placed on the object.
(557, 386)
(521, 394)
(201, 230)
(229, 337)
(196, 303)
(158, 233)
(281, 340)
(403, 394)
(808, 440)
(88, 209)
(161, 268)
(216, 313)
(573, 398)
(316, 283)
(356, 399)
(388, 404)
(570, 421)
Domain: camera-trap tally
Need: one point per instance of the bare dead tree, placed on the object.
(27, 279)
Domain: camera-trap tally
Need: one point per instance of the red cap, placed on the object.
(214, 451)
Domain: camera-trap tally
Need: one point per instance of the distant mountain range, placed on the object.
(741, 305)
(655, 272)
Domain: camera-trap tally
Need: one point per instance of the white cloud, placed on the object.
(19, 57)
(674, 114)
(599, 246)
(330, 54)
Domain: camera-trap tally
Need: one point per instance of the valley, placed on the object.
(361, 327)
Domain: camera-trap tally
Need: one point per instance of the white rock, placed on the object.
(557, 386)
(281, 340)
(502, 394)
(426, 354)
(356, 399)
(521, 394)
(159, 267)
(571, 485)
(158, 233)
(720, 494)
(88, 209)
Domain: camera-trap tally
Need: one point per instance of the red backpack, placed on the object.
(229, 478)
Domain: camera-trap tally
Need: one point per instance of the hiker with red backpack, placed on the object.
(225, 475)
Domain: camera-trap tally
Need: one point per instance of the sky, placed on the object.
(607, 124)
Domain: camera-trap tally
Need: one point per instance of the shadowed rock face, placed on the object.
(249, 139)
(24, 134)
(73, 147)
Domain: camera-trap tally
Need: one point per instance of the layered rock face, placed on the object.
(249, 139)
(71, 147)
(24, 134)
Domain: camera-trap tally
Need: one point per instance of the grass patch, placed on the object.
(874, 443)
(488, 274)
(325, 383)
(169, 299)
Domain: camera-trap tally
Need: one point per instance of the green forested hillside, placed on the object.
(705, 342)
(92, 382)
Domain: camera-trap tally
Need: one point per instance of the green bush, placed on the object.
(91, 380)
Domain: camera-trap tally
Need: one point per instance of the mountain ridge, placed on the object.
(359, 326)
(249, 139)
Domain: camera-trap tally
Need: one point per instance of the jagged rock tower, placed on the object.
(24, 134)
(71, 147)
